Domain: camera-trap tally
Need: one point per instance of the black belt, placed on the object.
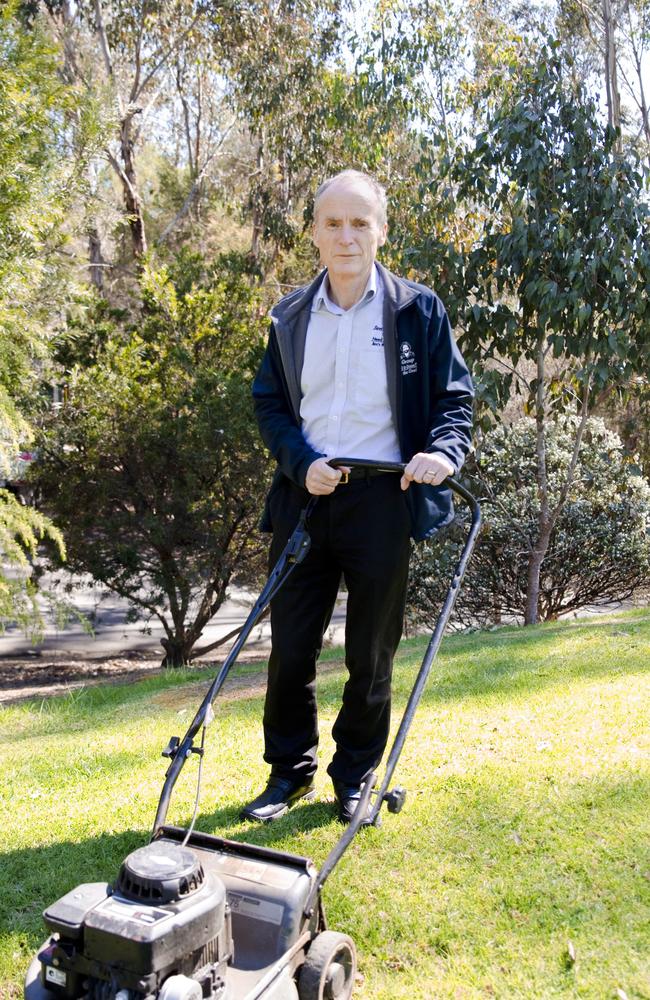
(361, 473)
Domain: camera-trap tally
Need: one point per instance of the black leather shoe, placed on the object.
(276, 799)
(348, 798)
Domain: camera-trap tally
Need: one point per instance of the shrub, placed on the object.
(599, 550)
(154, 469)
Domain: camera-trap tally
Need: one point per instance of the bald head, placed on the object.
(355, 178)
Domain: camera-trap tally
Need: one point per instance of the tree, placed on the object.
(38, 180)
(548, 287)
(124, 50)
(296, 101)
(612, 37)
(599, 551)
(154, 468)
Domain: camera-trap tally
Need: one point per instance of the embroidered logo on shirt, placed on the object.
(377, 336)
(407, 358)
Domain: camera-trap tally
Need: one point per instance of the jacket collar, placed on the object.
(291, 317)
(286, 310)
(399, 292)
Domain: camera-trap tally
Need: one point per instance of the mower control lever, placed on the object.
(172, 747)
(298, 545)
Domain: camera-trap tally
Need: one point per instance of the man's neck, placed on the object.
(347, 293)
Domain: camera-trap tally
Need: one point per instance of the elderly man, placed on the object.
(363, 364)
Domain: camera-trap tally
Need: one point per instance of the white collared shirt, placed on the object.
(345, 409)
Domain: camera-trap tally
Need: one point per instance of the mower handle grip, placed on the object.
(367, 463)
(373, 465)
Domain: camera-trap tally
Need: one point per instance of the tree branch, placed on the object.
(106, 52)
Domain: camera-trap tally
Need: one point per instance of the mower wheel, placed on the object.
(329, 968)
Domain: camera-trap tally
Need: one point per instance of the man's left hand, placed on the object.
(427, 467)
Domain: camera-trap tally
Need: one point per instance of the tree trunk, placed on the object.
(96, 258)
(535, 561)
(540, 548)
(132, 202)
(611, 73)
(177, 652)
(257, 212)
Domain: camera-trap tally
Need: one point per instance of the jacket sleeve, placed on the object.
(451, 392)
(278, 424)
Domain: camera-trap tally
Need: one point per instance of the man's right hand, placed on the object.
(322, 479)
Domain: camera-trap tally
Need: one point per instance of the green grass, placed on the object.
(525, 835)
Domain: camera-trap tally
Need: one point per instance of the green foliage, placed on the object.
(40, 122)
(21, 530)
(44, 128)
(629, 413)
(276, 58)
(599, 551)
(556, 244)
(536, 233)
(153, 468)
(310, 113)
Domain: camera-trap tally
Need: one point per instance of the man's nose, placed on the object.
(346, 234)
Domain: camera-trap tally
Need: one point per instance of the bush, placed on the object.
(154, 469)
(599, 550)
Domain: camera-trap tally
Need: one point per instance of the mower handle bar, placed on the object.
(366, 814)
(399, 467)
(297, 547)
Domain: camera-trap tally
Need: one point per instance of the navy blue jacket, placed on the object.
(429, 388)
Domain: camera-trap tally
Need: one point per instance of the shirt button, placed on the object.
(335, 417)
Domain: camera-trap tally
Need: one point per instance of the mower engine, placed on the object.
(161, 932)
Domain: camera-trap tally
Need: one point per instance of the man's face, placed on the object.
(347, 229)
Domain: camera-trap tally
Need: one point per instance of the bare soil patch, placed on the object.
(41, 677)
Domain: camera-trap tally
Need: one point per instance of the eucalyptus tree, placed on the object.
(612, 38)
(547, 276)
(122, 51)
(283, 62)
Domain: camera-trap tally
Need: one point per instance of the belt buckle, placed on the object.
(345, 479)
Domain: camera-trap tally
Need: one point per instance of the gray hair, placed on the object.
(356, 175)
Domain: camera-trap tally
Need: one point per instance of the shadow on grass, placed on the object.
(37, 876)
(578, 865)
(525, 661)
(497, 663)
(301, 818)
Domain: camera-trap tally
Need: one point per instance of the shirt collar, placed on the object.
(322, 298)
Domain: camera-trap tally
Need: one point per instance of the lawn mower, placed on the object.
(191, 916)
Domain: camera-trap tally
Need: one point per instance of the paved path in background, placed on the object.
(114, 636)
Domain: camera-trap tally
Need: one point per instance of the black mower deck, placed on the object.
(267, 891)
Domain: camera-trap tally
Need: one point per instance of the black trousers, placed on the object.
(361, 533)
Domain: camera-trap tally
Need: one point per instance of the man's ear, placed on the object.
(384, 235)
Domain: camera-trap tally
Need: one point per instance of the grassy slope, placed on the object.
(526, 826)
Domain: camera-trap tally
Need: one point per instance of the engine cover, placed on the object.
(164, 915)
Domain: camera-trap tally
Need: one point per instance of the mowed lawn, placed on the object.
(519, 867)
